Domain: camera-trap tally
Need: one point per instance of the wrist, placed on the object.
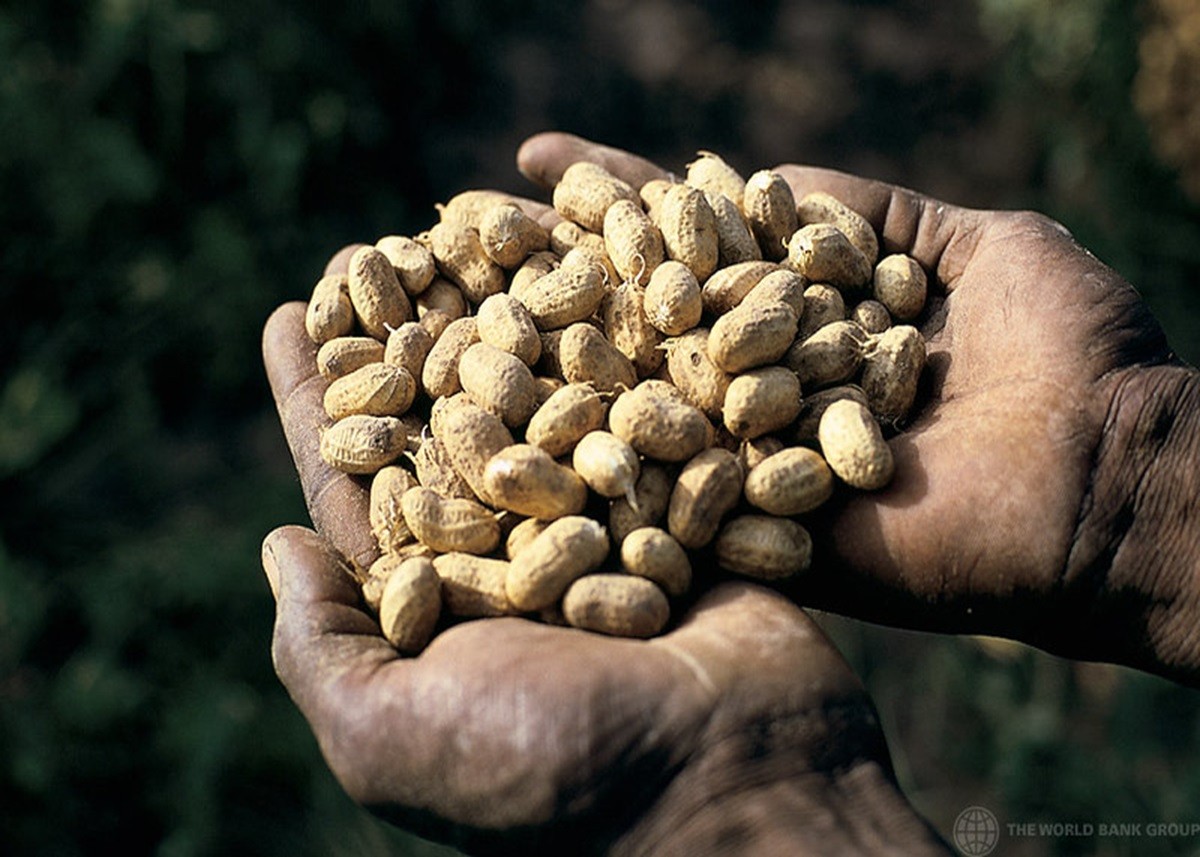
(1133, 575)
(726, 803)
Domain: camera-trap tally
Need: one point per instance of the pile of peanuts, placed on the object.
(555, 422)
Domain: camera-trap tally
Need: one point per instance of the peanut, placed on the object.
(585, 192)
(764, 547)
(708, 487)
(822, 253)
(379, 389)
(748, 337)
(652, 493)
(627, 328)
(899, 284)
(379, 301)
(726, 288)
(782, 286)
(632, 242)
(823, 304)
(770, 206)
(569, 236)
(449, 524)
(435, 470)
(672, 302)
(853, 446)
(468, 207)
(651, 194)
(830, 356)
(386, 517)
(711, 174)
(654, 554)
(702, 381)
(566, 416)
(891, 371)
(544, 387)
(756, 450)
(498, 382)
(567, 549)
(444, 297)
(414, 264)
(460, 257)
(522, 534)
(586, 357)
(666, 428)
(537, 265)
(790, 482)
(608, 465)
(523, 478)
(689, 229)
(362, 444)
(871, 316)
(821, 207)
(504, 322)
(341, 356)
(761, 401)
(621, 605)
(330, 313)
(473, 585)
(407, 347)
(568, 294)
(439, 375)
(508, 235)
(813, 406)
(410, 605)
(735, 241)
(471, 437)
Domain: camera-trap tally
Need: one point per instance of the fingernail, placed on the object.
(271, 566)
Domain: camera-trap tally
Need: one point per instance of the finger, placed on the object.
(339, 262)
(323, 638)
(942, 237)
(738, 627)
(753, 647)
(544, 157)
(336, 502)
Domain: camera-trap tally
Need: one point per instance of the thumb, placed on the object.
(543, 158)
(323, 636)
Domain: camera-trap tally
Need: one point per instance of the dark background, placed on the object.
(170, 171)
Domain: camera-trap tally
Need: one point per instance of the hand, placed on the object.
(1048, 486)
(741, 731)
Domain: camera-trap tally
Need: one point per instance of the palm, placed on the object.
(507, 724)
(560, 737)
(1028, 337)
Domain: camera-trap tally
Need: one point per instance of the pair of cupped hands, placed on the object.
(1045, 491)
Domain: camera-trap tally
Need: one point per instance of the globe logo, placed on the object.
(976, 831)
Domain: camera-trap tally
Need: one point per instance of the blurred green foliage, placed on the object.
(170, 171)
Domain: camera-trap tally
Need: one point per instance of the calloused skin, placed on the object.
(1045, 490)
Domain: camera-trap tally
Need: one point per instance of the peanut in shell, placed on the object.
(853, 446)
(568, 548)
(770, 206)
(621, 605)
(523, 478)
(790, 482)
(689, 230)
(379, 301)
(764, 547)
(410, 605)
(330, 313)
(449, 524)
